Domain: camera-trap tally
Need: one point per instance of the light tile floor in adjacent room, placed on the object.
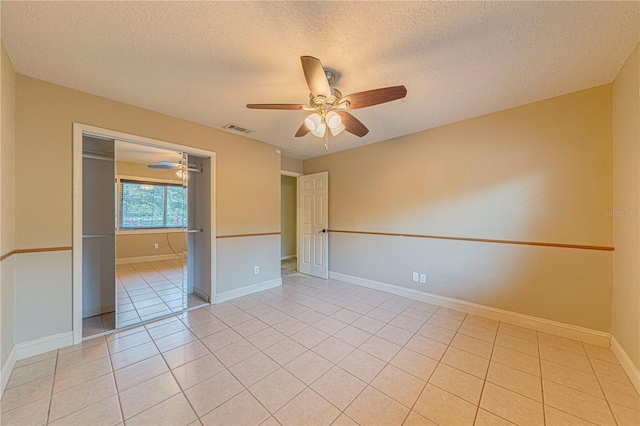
(288, 266)
(144, 291)
(98, 324)
(316, 352)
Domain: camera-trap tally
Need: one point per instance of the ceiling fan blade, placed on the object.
(375, 97)
(352, 124)
(161, 166)
(303, 130)
(274, 106)
(316, 77)
(169, 163)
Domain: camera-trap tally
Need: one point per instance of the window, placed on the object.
(152, 205)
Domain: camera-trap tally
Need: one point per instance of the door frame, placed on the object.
(79, 130)
(295, 175)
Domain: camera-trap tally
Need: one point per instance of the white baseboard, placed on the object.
(97, 311)
(569, 331)
(45, 344)
(7, 368)
(243, 291)
(628, 365)
(31, 348)
(201, 295)
(293, 256)
(140, 259)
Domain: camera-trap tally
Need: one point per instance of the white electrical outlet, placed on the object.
(256, 270)
(423, 278)
(155, 246)
(415, 277)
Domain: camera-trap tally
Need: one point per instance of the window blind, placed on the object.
(149, 205)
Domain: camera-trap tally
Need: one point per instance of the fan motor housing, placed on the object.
(331, 77)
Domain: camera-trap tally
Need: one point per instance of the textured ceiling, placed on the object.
(203, 61)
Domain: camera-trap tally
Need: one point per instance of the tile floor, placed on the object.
(319, 352)
(288, 266)
(144, 291)
(98, 324)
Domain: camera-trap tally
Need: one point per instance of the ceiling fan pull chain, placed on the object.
(326, 140)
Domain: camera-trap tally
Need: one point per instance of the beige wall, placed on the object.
(541, 172)
(626, 202)
(288, 210)
(7, 202)
(8, 154)
(133, 245)
(247, 177)
(291, 164)
(247, 170)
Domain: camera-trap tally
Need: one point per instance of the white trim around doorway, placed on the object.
(79, 130)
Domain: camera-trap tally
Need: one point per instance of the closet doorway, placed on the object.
(143, 227)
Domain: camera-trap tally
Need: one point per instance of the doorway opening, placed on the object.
(288, 223)
(144, 230)
(288, 212)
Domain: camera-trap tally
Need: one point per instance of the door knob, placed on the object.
(324, 231)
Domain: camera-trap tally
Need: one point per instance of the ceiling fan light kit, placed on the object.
(335, 131)
(320, 130)
(329, 108)
(313, 121)
(317, 123)
(333, 120)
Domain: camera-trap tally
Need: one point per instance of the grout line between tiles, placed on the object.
(291, 298)
(174, 378)
(115, 382)
(601, 389)
(544, 412)
(224, 366)
(80, 384)
(484, 382)
(53, 382)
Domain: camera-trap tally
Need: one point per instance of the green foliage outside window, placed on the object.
(152, 205)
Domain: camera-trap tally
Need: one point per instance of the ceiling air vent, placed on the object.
(237, 128)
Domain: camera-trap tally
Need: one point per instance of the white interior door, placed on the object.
(313, 207)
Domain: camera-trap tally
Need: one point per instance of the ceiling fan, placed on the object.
(169, 165)
(329, 107)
